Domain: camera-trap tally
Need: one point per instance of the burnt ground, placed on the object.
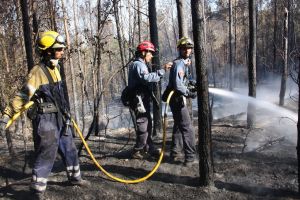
(267, 170)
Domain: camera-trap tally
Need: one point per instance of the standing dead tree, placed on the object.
(231, 70)
(284, 72)
(27, 34)
(204, 131)
(157, 119)
(182, 24)
(252, 62)
(298, 129)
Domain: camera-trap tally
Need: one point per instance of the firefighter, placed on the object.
(139, 82)
(50, 115)
(183, 136)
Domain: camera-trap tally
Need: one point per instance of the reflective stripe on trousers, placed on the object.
(47, 141)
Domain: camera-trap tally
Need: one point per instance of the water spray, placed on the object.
(259, 103)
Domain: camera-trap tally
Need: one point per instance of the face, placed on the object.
(148, 56)
(185, 52)
(58, 53)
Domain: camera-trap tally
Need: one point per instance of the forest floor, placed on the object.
(242, 169)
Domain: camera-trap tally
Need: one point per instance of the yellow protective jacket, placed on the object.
(37, 83)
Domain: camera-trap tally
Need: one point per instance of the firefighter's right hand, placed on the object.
(192, 95)
(3, 122)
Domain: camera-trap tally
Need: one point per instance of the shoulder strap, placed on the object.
(51, 82)
(47, 73)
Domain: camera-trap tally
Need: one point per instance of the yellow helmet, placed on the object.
(50, 39)
(185, 42)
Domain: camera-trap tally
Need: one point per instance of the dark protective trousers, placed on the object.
(48, 140)
(183, 136)
(144, 128)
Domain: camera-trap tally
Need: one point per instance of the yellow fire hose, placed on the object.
(28, 105)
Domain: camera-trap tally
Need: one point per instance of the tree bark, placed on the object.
(285, 66)
(27, 34)
(139, 19)
(275, 36)
(51, 6)
(79, 62)
(298, 129)
(116, 13)
(99, 78)
(5, 55)
(204, 131)
(231, 70)
(252, 62)
(156, 65)
(182, 24)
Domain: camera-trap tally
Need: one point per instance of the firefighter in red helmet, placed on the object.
(139, 82)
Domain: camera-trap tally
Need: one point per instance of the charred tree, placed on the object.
(27, 34)
(285, 58)
(51, 7)
(155, 66)
(182, 25)
(252, 62)
(139, 19)
(204, 131)
(298, 129)
(275, 36)
(77, 47)
(99, 95)
(231, 70)
(120, 40)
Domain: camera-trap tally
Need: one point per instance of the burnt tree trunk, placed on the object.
(139, 19)
(51, 7)
(27, 34)
(275, 36)
(156, 65)
(252, 62)
(182, 25)
(120, 39)
(298, 129)
(285, 65)
(204, 131)
(77, 49)
(99, 80)
(231, 70)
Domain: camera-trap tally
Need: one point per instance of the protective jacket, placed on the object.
(48, 127)
(139, 75)
(139, 80)
(179, 76)
(183, 136)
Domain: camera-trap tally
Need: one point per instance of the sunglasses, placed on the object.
(60, 39)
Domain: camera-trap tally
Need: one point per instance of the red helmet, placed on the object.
(146, 46)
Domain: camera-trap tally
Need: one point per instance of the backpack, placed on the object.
(126, 96)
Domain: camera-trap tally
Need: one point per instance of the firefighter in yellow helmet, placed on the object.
(183, 137)
(50, 115)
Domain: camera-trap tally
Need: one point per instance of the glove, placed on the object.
(3, 122)
(192, 86)
(192, 95)
(192, 82)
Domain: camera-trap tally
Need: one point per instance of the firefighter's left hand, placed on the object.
(3, 122)
(168, 65)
